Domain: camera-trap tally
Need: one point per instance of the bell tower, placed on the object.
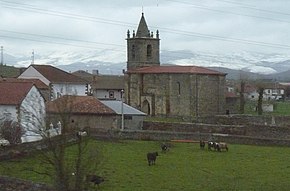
(142, 47)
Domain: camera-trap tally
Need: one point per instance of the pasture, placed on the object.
(184, 167)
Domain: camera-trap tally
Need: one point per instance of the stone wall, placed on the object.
(251, 130)
(13, 184)
(247, 120)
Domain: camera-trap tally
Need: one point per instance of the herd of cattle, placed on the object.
(211, 145)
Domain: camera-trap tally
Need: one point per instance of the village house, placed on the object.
(59, 82)
(83, 112)
(130, 117)
(44, 89)
(22, 102)
(107, 87)
(272, 91)
(186, 92)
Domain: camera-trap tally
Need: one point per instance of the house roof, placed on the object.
(116, 82)
(13, 93)
(79, 105)
(38, 83)
(56, 75)
(175, 70)
(117, 107)
(84, 75)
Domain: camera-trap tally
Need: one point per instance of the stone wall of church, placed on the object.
(183, 95)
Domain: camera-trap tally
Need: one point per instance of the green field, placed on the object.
(280, 108)
(184, 167)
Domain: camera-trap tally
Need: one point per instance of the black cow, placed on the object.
(151, 157)
(164, 147)
(95, 179)
(201, 144)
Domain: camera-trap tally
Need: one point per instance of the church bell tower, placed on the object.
(142, 47)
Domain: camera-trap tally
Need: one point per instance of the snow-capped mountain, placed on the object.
(113, 62)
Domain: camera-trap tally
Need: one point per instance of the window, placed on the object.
(178, 88)
(111, 94)
(133, 51)
(149, 51)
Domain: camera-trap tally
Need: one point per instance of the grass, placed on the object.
(184, 167)
(9, 71)
(280, 108)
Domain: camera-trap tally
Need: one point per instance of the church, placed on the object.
(186, 92)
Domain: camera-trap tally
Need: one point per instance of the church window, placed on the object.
(178, 88)
(133, 51)
(149, 51)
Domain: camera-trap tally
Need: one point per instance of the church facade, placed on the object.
(169, 91)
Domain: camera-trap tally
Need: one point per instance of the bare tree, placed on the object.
(67, 173)
(242, 97)
(260, 100)
(11, 131)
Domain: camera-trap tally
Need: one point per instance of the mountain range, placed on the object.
(237, 65)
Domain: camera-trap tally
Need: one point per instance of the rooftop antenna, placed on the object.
(32, 57)
(2, 58)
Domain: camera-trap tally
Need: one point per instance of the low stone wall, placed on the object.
(14, 184)
(239, 119)
(192, 136)
(253, 130)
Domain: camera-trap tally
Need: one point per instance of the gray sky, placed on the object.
(219, 26)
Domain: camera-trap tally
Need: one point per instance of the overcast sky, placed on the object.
(220, 26)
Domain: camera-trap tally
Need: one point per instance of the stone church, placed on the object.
(187, 92)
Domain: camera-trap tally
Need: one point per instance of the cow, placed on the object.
(201, 144)
(151, 157)
(221, 146)
(164, 147)
(95, 179)
(211, 145)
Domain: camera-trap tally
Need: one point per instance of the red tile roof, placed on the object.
(38, 83)
(56, 75)
(79, 105)
(175, 70)
(13, 93)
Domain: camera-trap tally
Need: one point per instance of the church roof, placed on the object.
(175, 70)
(142, 30)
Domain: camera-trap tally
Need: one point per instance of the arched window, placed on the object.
(149, 51)
(133, 51)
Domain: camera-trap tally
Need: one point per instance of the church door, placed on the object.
(146, 107)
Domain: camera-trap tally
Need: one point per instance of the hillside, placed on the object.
(9, 71)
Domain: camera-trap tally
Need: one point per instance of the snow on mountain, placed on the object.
(114, 61)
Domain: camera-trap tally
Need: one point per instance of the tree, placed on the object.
(242, 97)
(65, 167)
(11, 131)
(260, 100)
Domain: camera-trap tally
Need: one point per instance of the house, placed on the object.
(186, 92)
(22, 102)
(43, 88)
(272, 91)
(80, 112)
(59, 82)
(107, 87)
(132, 118)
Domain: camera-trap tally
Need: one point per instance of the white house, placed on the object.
(23, 103)
(59, 81)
